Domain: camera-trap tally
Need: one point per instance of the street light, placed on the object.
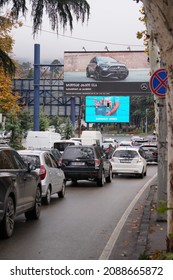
(146, 121)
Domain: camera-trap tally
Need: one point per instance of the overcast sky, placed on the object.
(112, 24)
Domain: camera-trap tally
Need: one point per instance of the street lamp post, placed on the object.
(146, 121)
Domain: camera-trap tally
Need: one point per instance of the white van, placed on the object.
(62, 144)
(91, 137)
(41, 139)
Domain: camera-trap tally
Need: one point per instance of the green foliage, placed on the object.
(163, 206)
(44, 121)
(68, 129)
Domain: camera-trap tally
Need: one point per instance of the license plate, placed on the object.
(78, 163)
(125, 161)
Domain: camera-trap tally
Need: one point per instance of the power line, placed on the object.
(83, 39)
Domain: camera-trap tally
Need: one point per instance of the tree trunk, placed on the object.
(159, 15)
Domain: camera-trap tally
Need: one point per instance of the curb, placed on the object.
(145, 224)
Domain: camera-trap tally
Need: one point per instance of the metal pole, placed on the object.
(146, 122)
(36, 85)
(73, 111)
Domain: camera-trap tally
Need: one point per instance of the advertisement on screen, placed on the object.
(107, 109)
(106, 73)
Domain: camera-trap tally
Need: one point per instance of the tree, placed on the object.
(58, 11)
(8, 101)
(6, 43)
(159, 16)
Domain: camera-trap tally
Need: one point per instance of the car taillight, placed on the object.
(42, 172)
(97, 162)
(60, 162)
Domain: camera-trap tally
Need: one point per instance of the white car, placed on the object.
(52, 176)
(129, 160)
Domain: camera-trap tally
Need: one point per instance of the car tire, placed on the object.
(61, 194)
(101, 181)
(34, 214)
(142, 174)
(47, 198)
(97, 75)
(87, 74)
(7, 224)
(109, 178)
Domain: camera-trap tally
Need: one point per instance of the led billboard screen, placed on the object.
(107, 109)
(106, 73)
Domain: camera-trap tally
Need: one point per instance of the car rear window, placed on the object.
(61, 146)
(33, 159)
(125, 154)
(79, 152)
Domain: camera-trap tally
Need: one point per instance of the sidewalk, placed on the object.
(141, 236)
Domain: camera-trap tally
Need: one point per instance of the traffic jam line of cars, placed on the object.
(30, 177)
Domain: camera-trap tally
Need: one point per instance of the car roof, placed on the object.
(32, 152)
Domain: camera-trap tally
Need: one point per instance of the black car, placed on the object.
(86, 163)
(151, 152)
(20, 190)
(106, 67)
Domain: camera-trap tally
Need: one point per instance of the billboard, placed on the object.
(106, 73)
(107, 109)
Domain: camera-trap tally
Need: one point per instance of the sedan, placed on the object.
(101, 67)
(129, 160)
(52, 177)
(20, 190)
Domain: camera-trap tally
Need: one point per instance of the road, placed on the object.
(77, 227)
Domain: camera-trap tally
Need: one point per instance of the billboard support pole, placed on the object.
(73, 110)
(36, 85)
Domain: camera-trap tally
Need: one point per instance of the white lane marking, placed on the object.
(114, 236)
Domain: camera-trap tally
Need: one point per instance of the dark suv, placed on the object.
(20, 190)
(86, 163)
(106, 67)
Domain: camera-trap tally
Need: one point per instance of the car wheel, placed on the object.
(97, 75)
(61, 194)
(87, 74)
(34, 214)
(7, 224)
(109, 178)
(101, 181)
(47, 198)
(142, 174)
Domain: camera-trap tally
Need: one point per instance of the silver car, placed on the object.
(52, 176)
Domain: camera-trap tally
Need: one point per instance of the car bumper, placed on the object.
(82, 174)
(127, 168)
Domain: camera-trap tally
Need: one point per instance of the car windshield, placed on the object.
(79, 152)
(125, 154)
(106, 59)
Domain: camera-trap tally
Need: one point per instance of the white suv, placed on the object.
(52, 176)
(129, 160)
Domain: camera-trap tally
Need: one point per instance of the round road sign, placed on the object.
(159, 82)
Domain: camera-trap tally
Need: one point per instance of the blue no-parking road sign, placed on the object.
(159, 82)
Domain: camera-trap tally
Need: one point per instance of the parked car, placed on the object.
(20, 190)
(129, 160)
(52, 177)
(86, 163)
(151, 151)
(101, 67)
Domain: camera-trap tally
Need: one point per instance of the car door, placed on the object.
(59, 173)
(52, 172)
(8, 163)
(29, 180)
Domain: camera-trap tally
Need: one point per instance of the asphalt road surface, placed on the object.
(77, 227)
